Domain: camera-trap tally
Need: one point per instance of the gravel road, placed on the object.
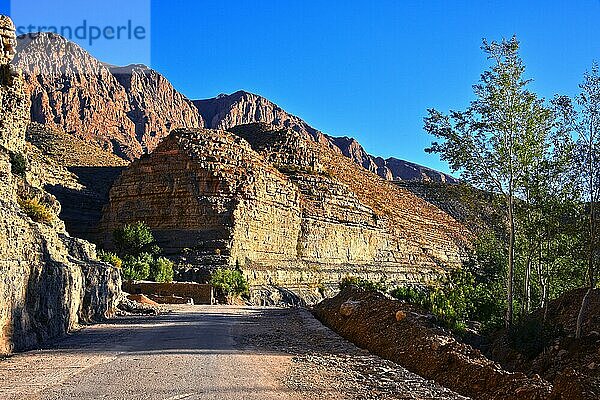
(210, 352)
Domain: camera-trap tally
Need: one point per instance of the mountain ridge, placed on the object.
(241, 107)
(129, 109)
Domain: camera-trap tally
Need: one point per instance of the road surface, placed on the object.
(209, 352)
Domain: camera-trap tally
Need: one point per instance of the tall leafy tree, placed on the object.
(588, 128)
(497, 138)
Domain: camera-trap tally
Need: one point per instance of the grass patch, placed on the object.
(36, 210)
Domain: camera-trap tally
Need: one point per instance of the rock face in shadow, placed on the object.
(51, 282)
(239, 108)
(126, 110)
(294, 215)
(77, 173)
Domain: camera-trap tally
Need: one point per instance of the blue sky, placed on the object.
(364, 69)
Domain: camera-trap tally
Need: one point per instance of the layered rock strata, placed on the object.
(293, 214)
(50, 282)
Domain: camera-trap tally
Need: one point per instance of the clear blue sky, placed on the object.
(366, 69)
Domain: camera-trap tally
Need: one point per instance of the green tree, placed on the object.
(229, 282)
(134, 239)
(497, 138)
(161, 270)
(588, 128)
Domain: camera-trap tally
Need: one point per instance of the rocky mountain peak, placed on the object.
(126, 110)
(241, 107)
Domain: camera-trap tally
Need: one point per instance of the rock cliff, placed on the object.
(227, 111)
(50, 282)
(293, 214)
(126, 110)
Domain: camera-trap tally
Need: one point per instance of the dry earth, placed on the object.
(210, 352)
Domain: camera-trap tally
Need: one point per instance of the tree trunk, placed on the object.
(527, 302)
(581, 315)
(511, 262)
(592, 239)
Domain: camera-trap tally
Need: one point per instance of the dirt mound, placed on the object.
(413, 340)
(548, 346)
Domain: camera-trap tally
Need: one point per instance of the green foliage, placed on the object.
(161, 270)
(229, 282)
(137, 267)
(110, 258)
(18, 164)
(134, 239)
(364, 284)
(36, 210)
(471, 293)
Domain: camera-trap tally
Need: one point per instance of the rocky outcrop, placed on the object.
(228, 111)
(156, 107)
(76, 172)
(291, 213)
(126, 110)
(50, 282)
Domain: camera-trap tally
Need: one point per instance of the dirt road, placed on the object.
(211, 352)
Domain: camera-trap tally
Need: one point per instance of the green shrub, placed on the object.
(134, 239)
(229, 282)
(413, 295)
(18, 164)
(364, 284)
(161, 270)
(36, 210)
(110, 258)
(137, 268)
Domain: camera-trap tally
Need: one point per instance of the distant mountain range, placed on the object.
(129, 110)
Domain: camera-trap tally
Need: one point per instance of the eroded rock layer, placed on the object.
(50, 282)
(291, 213)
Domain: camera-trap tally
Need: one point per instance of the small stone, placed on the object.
(591, 365)
(348, 307)
(400, 315)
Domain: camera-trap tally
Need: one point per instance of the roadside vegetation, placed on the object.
(229, 283)
(540, 159)
(137, 254)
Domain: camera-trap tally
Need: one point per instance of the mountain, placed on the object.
(126, 110)
(294, 215)
(226, 111)
(129, 110)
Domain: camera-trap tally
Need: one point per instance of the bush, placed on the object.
(229, 282)
(137, 268)
(18, 164)
(161, 270)
(361, 283)
(413, 295)
(134, 239)
(110, 258)
(36, 210)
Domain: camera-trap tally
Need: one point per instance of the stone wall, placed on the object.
(50, 282)
(294, 215)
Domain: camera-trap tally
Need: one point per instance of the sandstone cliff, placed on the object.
(292, 213)
(126, 110)
(227, 111)
(50, 282)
